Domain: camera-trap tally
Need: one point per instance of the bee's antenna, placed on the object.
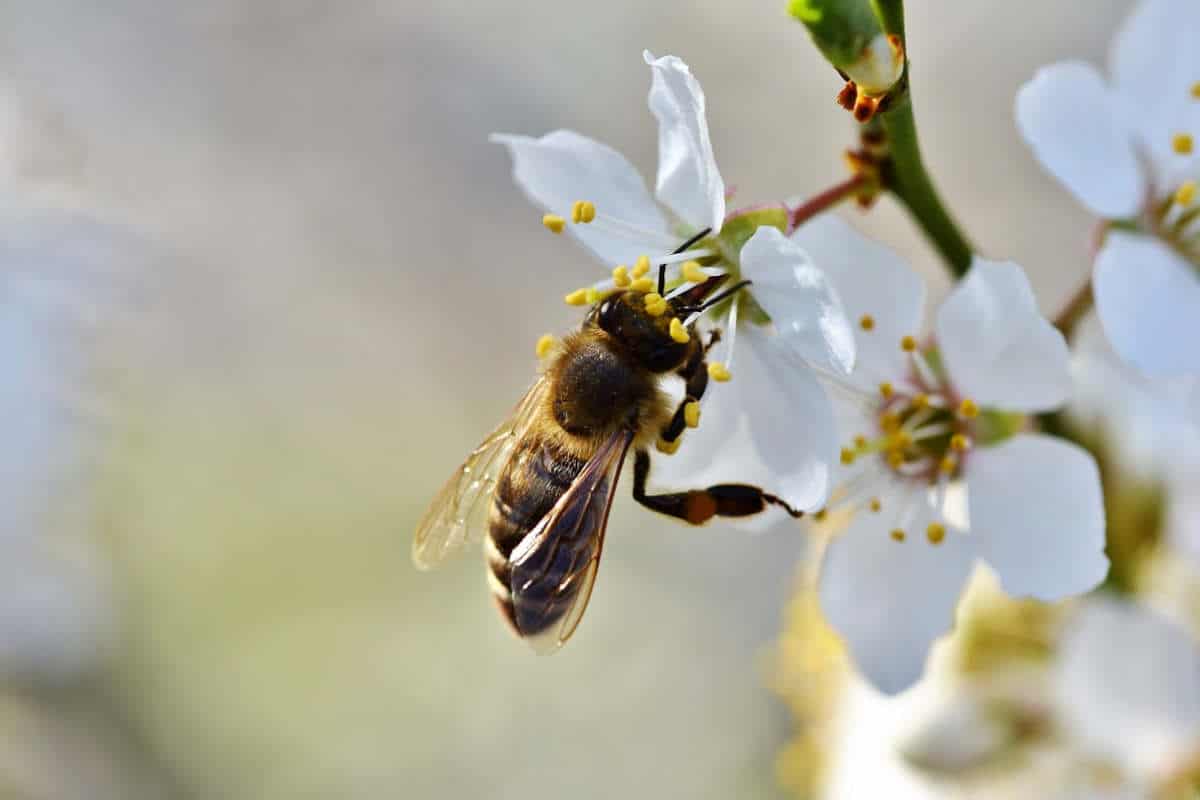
(712, 301)
(662, 268)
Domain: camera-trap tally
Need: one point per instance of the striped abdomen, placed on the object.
(533, 481)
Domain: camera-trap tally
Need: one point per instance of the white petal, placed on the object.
(891, 600)
(790, 419)
(1073, 123)
(688, 180)
(563, 166)
(1129, 687)
(1147, 297)
(803, 304)
(1037, 510)
(870, 280)
(997, 347)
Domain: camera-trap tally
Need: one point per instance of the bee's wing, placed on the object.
(554, 566)
(459, 512)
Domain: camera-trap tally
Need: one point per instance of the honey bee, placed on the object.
(542, 483)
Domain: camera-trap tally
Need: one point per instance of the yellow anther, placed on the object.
(692, 273)
(641, 266)
(895, 459)
(847, 456)
(1182, 143)
(866, 322)
(595, 296)
(678, 332)
(579, 297)
(908, 344)
(544, 345)
(691, 413)
(1196, 90)
(889, 421)
(886, 390)
(935, 533)
(663, 446)
(920, 401)
(959, 442)
(657, 309)
(948, 464)
(554, 223)
(642, 284)
(876, 505)
(967, 408)
(1186, 193)
(860, 442)
(718, 372)
(582, 211)
(897, 535)
(899, 440)
(621, 277)
(652, 297)
(820, 515)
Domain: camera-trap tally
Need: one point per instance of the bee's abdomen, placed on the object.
(535, 479)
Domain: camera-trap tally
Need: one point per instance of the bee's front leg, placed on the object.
(700, 505)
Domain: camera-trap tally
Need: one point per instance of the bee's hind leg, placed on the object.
(700, 505)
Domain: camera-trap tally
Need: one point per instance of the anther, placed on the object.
(886, 390)
(582, 211)
(935, 533)
(920, 401)
(959, 442)
(718, 372)
(621, 277)
(1196, 90)
(860, 442)
(866, 322)
(900, 440)
(657, 309)
(847, 456)
(889, 421)
(948, 464)
(595, 296)
(544, 345)
(876, 505)
(897, 535)
(1186, 193)
(820, 515)
(895, 459)
(678, 332)
(1182, 143)
(967, 409)
(554, 223)
(692, 273)
(641, 266)
(663, 446)
(908, 344)
(579, 297)
(691, 413)
(641, 284)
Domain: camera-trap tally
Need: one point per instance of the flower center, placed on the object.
(1177, 218)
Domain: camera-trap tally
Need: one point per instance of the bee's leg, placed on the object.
(695, 375)
(700, 505)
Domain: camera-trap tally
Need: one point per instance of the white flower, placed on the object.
(776, 399)
(1129, 150)
(924, 418)
(1129, 690)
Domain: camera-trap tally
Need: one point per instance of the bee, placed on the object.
(542, 483)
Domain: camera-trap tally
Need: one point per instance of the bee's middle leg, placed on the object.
(698, 506)
(695, 375)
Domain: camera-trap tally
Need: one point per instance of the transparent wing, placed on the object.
(458, 514)
(554, 566)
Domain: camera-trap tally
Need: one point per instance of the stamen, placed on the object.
(1182, 143)
(928, 376)
(847, 456)
(621, 277)
(731, 326)
(651, 298)
(579, 297)
(935, 533)
(595, 295)
(657, 309)
(886, 390)
(866, 322)
(554, 223)
(642, 285)
(897, 534)
(718, 372)
(582, 211)
(860, 442)
(908, 344)
(678, 332)
(692, 273)
(685, 256)
(920, 401)
(948, 464)
(1186, 193)
(641, 267)
(544, 345)
(668, 448)
(967, 409)
(876, 505)
(1196, 90)
(691, 413)
(960, 442)
(930, 431)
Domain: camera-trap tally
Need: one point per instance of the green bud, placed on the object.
(849, 35)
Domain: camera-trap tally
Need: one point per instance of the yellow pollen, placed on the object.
(641, 266)
(582, 211)
(889, 421)
(947, 464)
(886, 390)
(899, 440)
(655, 305)
(935, 533)
(554, 223)
(663, 446)
(691, 413)
(579, 297)
(544, 345)
(897, 534)
(1186, 193)
(867, 322)
(820, 515)
(959, 442)
(920, 401)
(876, 505)
(678, 332)
(1196, 90)
(652, 298)
(847, 456)
(718, 372)
(1182, 143)
(595, 296)
(908, 344)
(895, 459)
(967, 408)
(860, 442)
(621, 277)
(692, 273)
(642, 284)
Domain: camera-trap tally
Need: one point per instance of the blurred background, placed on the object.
(345, 299)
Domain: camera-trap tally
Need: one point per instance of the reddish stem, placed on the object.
(827, 199)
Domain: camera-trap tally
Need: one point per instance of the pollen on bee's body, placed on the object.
(678, 332)
(554, 223)
(669, 448)
(691, 414)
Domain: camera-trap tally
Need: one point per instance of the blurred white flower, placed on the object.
(778, 400)
(925, 418)
(1128, 150)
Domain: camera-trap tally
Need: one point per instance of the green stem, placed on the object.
(891, 16)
